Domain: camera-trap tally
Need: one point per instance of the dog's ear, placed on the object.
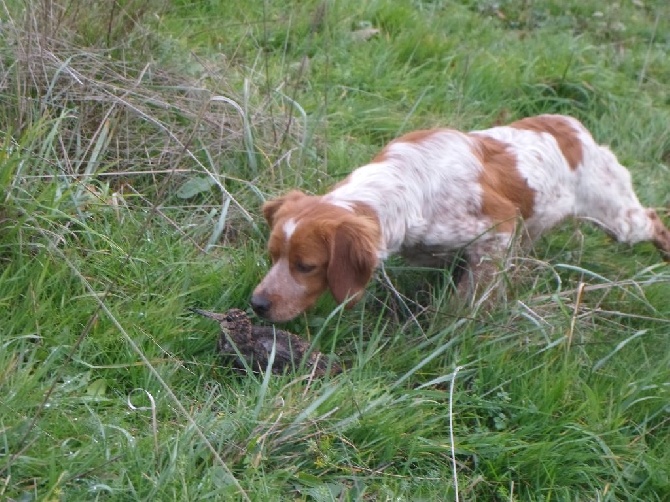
(271, 207)
(353, 258)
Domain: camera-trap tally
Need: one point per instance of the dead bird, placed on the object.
(254, 344)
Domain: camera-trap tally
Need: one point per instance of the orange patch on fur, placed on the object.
(410, 137)
(505, 194)
(563, 132)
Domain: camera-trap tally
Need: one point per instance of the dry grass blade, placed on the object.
(116, 117)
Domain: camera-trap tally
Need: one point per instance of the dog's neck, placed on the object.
(377, 191)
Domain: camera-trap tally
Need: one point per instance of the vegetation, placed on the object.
(138, 140)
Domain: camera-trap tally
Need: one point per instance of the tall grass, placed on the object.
(139, 140)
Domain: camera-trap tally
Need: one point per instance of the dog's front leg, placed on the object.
(482, 282)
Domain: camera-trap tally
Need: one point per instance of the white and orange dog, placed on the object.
(432, 193)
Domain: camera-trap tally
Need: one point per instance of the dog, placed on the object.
(432, 193)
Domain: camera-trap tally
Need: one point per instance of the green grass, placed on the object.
(137, 143)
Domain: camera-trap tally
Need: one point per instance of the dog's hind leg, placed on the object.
(661, 237)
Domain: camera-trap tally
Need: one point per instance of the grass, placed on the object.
(138, 142)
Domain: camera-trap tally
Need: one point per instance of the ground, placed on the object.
(138, 141)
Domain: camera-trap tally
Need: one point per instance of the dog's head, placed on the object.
(314, 246)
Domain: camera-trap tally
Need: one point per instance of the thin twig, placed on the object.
(578, 302)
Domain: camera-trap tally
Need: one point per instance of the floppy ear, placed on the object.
(271, 207)
(353, 258)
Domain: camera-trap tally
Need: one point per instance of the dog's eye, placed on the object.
(304, 268)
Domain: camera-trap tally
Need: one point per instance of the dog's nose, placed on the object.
(261, 304)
